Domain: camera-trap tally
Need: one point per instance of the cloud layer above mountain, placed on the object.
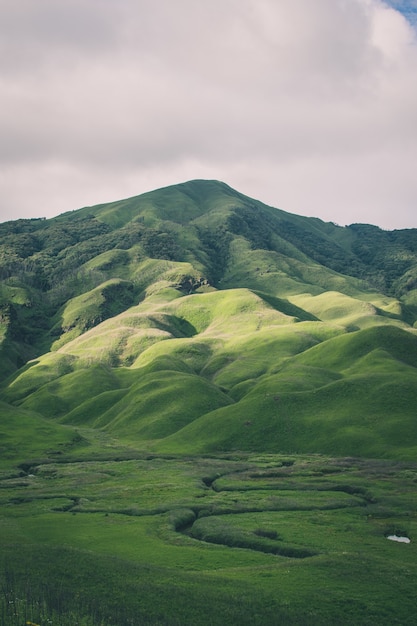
(308, 106)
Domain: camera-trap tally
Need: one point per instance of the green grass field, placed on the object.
(235, 539)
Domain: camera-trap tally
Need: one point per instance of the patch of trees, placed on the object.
(387, 254)
(23, 245)
(7, 313)
(31, 256)
(21, 226)
(216, 245)
(160, 245)
(254, 226)
(381, 258)
(60, 235)
(320, 249)
(117, 297)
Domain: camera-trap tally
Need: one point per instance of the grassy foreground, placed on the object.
(187, 381)
(235, 539)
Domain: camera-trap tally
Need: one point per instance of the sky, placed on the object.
(307, 105)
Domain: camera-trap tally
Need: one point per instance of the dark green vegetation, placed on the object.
(182, 378)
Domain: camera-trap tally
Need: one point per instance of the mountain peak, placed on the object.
(198, 297)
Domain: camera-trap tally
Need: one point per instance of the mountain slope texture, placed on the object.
(193, 319)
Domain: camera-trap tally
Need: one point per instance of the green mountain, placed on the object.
(207, 413)
(193, 319)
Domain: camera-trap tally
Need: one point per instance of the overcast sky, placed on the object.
(307, 105)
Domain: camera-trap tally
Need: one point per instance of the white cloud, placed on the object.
(309, 106)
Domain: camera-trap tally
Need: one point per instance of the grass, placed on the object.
(37, 373)
(26, 434)
(62, 395)
(331, 419)
(87, 310)
(161, 403)
(227, 370)
(163, 464)
(178, 539)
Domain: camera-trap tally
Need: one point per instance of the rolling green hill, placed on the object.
(207, 415)
(195, 319)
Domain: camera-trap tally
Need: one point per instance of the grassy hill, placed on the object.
(207, 415)
(194, 318)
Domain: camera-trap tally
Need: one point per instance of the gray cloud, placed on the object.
(307, 106)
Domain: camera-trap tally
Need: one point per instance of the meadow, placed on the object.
(240, 538)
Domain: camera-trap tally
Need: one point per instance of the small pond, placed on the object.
(399, 539)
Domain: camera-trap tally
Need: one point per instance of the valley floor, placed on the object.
(229, 539)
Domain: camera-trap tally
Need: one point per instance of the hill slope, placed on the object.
(194, 318)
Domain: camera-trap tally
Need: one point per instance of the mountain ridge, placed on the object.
(223, 300)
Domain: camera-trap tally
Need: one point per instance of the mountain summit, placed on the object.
(196, 319)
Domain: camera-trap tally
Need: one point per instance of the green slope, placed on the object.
(194, 318)
(26, 436)
(353, 395)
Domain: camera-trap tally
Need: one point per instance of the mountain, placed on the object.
(194, 319)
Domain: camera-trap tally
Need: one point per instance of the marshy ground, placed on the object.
(237, 538)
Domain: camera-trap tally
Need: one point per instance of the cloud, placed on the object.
(307, 106)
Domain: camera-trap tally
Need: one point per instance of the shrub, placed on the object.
(264, 532)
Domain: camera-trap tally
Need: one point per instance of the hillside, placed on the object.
(193, 319)
(207, 408)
